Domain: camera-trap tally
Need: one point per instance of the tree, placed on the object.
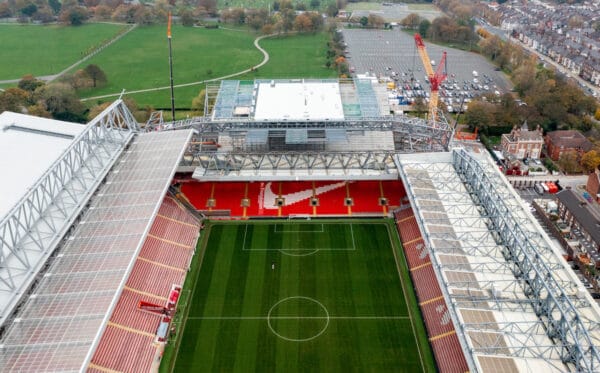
(62, 102)
(142, 15)
(73, 16)
(5, 11)
(209, 5)
(14, 99)
(315, 4)
(29, 83)
(590, 160)
(364, 21)
(303, 23)
(568, 162)
(97, 109)
(411, 21)
(38, 110)
(375, 21)
(424, 27)
(332, 10)
(55, 5)
(257, 18)
(29, 9)
(187, 17)
(198, 103)
(480, 114)
(96, 74)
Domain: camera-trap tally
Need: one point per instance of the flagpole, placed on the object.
(171, 68)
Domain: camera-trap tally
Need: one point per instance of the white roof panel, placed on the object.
(299, 101)
(28, 146)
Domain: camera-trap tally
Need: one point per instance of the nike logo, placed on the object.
(268, 200)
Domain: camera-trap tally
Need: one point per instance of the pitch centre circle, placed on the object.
(281, 319)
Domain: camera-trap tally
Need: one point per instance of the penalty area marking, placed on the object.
(299, 230)
(312, 250)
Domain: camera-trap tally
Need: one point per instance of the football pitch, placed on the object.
(290, 296)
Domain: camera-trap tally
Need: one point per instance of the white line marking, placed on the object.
(269, 318)
(352, 235)
(299, 317)
(245, 231)
(405, 296)
(299, 231)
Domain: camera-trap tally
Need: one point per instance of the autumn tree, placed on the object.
(411, 21)
(480, 114)
(375, 21)
(302, 23)
(568, 162)
(73, 16)
(590, 160)
(14, 99)
(29, 83)
(62, 102)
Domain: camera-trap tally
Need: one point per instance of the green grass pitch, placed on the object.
(299, 296)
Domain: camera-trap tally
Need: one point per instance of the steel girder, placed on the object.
(555, 309)
(215, 163)
(415, 134)
(34, 227)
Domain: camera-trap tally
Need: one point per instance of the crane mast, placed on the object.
(435, 78)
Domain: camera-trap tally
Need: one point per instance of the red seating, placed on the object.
(416, 253)
(439, 316)
(448, 355)
(444, 342)
(124, 351)
(261, 197)
(128, 345)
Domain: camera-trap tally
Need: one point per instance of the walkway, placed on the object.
(264, 61)
(49, 78)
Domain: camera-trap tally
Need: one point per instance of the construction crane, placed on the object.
(435, 78)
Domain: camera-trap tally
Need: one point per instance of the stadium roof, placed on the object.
(60, 325)
(28, 146)
(515, 304)
(298, 101)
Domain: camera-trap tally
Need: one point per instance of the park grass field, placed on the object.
(140, 61)
(47, 50)
(338, 299)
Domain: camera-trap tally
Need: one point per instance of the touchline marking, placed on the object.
(299, 317)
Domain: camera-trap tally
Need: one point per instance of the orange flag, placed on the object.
(169, 26)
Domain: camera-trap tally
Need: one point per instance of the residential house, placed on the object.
(593, 185)
(523, 143)
(559, 142)
(578, 214)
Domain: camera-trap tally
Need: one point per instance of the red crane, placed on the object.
(435, 79)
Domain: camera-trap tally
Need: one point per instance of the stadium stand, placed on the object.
(128, 343)
(446, 348)
(260, 199)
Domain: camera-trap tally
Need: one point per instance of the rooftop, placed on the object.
(569, 139)
(28, 147)
(580, 209)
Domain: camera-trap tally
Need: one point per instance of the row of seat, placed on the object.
(129, 341)
(446, 348)
(316, 198)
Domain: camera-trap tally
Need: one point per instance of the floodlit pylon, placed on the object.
(435, 78)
